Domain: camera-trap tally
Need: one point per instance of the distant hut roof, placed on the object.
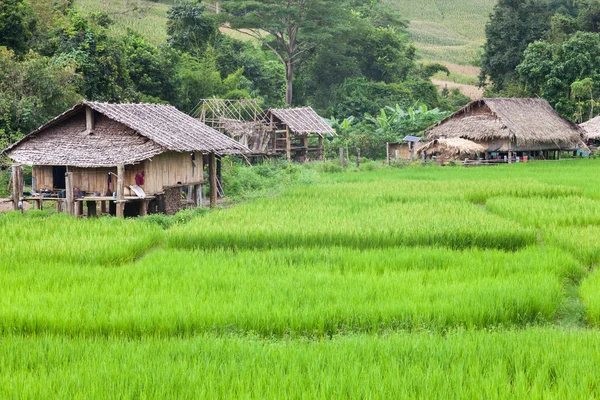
(591, 128)
(452, 148)
(302, 120)
(157, 128)
(524, 121)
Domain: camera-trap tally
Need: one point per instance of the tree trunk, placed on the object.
(289, 76)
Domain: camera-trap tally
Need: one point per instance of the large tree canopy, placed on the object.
(513, 25)
(289, 28)
(17, 24)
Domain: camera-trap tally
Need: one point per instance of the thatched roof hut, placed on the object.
(508, 124)
(138, 132)
(591, 129)
(152, 148)
(451, 149)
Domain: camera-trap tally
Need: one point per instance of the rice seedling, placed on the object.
(515, 364)
(582, 242)
(41, 239)
(547, 212)
(590, 289)
(293, 292)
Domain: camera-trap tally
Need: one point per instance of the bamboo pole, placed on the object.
(17, 193)
(120, 191)
(212, 172)
(69, 193)
(288, 144)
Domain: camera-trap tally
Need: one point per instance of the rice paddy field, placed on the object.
(415, 282)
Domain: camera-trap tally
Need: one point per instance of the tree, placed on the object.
(32, 91)
(189, 29)
(289, 28)
(564, 73)
(513, 25)
(17, 24)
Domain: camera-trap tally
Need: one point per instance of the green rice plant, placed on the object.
(307, 292)
(39, 238)
(355, 215)
(590, 295)
(582, 242)
(547, 212)
(515, 364)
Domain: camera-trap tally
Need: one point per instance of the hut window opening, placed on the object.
(58, 177)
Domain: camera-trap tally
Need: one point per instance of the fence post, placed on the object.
(342, 160)
(357, 158)
(17, 184)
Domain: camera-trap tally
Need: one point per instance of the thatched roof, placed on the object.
(452, 148)
(591, 128)
(302, 120)
(149, 130)
(522, 121)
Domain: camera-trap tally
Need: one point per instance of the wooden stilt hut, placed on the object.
(124, 158)
(297, 132)
(509, 128)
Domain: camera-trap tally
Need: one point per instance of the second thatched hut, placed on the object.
(508, 127)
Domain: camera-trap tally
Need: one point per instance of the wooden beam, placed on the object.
(320, 149)
(69, 193)
(89, 120)
(120, 191)
(212, 173)
(288, 145)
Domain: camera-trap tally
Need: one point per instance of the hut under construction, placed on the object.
(296, 133)
(510, 127)
(123, 159)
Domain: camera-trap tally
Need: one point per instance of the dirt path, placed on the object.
(6, 205)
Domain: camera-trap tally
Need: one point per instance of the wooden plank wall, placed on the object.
(164, 170)
(43, 177)
(172, 169)
(92, 180)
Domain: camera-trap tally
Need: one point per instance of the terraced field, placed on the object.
(422, 282)
(446, 31)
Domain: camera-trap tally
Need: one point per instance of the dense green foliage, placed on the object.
(351, 60)
(547, 49)
(388, 282)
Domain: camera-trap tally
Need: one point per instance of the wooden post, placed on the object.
(120, 191)
(342, 160)
(143, 208)
(212, 173)
(17, 180)
(320, 151)
(387, 153)
(103, 208)
(198, 196)
(89, 120)
(78, 208)
(357, 158)
(219, 177)
(91, 209)
(305, 145)
(69, 193)
(288, 144)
